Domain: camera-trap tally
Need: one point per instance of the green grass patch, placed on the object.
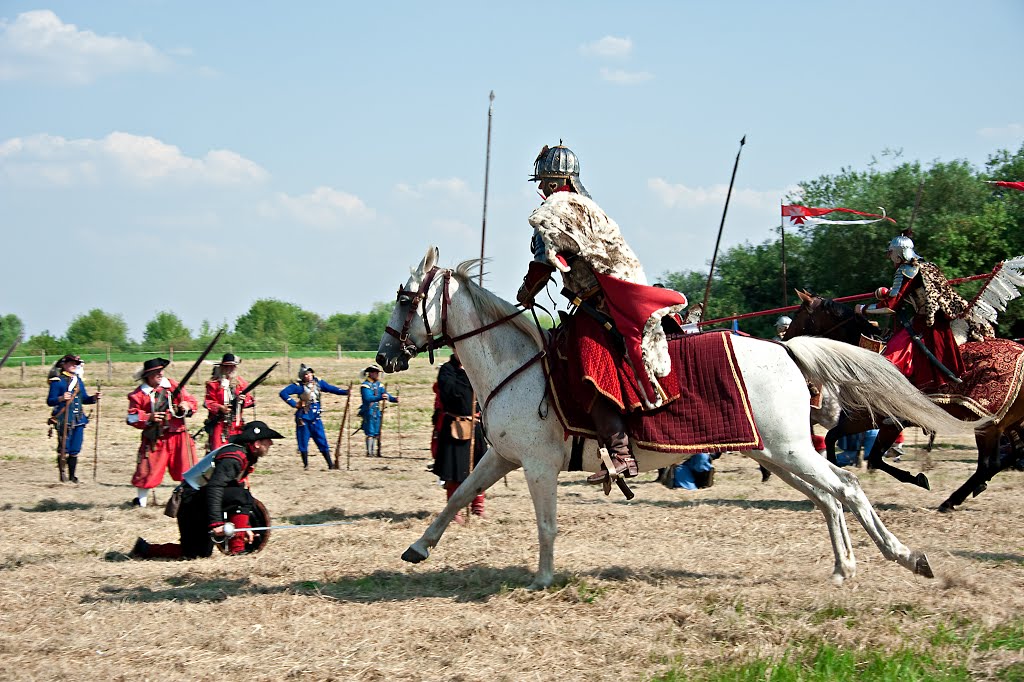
(828, 664)
(1011, 673)
(831, 612)
(1009, 636)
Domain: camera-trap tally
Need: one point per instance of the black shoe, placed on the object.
(140, 550)
(74, 479)
(135, 502)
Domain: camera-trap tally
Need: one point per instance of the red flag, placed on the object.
(799, 214)
(1011, 185)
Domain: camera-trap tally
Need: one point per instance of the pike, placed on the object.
(7, 355)
(721, 226)
(96, 433)
(341, 431)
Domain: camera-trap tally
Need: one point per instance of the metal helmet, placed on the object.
(783, 322)
(559, 162)
(302, 371)
(901, 250)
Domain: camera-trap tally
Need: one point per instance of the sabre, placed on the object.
(230, 530)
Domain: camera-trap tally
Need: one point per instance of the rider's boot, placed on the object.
(622, 458)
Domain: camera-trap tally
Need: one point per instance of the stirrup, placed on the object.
(609, 475)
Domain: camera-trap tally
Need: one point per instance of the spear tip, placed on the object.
(743, 140)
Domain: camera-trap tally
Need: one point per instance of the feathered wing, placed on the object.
(999, 290)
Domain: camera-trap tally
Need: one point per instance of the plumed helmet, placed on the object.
(783, 321)
(901, 250)
(558, 162)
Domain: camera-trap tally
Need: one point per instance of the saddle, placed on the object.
(709, 410)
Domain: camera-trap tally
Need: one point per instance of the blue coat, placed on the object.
(59, 385)
(373, 393)
(311, 413)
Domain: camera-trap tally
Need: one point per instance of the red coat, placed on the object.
(214, 399)
(174, 449)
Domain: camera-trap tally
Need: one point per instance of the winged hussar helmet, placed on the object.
(561, 163)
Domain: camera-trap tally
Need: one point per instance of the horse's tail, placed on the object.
(866, 381)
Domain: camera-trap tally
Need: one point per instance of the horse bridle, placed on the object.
(419, 298)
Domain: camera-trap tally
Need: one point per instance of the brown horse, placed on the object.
(825, 317)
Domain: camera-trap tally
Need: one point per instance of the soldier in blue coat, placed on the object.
(304, 396)
(372, 409)
(67, 396)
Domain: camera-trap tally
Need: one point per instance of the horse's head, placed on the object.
(417, 311)
(827, 317)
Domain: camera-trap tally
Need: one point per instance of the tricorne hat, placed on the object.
(151, 365)
(254, 431)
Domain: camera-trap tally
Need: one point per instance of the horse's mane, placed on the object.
(842, 312)
(491, 306)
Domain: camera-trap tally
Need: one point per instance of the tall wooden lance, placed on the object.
(96, 437)
(341, 430)
(398, 409)
(721, 226)
(782, 245)
(480, 276)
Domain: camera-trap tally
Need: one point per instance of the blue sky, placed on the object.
(196, 156)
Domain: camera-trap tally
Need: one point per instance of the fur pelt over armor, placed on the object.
(574, 225)
(940, 297)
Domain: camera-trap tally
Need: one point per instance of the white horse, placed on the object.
(494, 344)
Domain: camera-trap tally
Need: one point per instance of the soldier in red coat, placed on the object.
(166, 443)
(225, 416)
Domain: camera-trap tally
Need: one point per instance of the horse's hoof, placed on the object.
(946, 508)
(980, 489)
(922, 481)
(921, 565)
(837, 579)
(413, 555)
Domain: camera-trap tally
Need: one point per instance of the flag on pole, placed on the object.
(807, 215)
(1003, 183)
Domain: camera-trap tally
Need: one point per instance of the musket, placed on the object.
(236, 408)
(151, 434)
(721, 226)
(96, 433)
(10, 350)
(341, 430)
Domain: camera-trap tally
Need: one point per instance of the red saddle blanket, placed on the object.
(991, 379)
(711, 413)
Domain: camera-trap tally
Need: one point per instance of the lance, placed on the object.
(96, 433)
(721, 226)
(10, 350)
(341, 430)
(230, 530)
(398, 396)
(782, 245)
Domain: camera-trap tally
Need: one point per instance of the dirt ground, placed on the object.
(673, 578)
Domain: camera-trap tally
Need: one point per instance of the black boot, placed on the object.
(327, 458)
(140, 550)
(305, 460)
(72, 466)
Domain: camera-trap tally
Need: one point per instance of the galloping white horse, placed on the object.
(494, 344)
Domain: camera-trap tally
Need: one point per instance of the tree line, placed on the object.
(962, 224)
(268, 324)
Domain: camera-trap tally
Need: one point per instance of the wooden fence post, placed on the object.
(287, 360)
(339, 351)
(43, 361)
(170, 353)
(23, 370)
(110, 367)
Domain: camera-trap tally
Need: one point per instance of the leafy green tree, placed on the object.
(11, 328)
(167, 329)
(96, 329)
(43, 341)
(354, 331)
(270, 322)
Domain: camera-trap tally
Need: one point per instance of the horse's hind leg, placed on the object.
(805, 464)
(842, 546)
(988, 466)
(490, 469)
(542, 478)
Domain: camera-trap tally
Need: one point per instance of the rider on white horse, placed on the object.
(604, 280)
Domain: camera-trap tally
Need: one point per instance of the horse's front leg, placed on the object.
(490, 469)
(988, 466)
(886, 437)
(542, 478)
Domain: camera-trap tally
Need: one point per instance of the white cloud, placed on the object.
(1013, 130)
(436, 188)
(37, 45)
(324, 207)
(609, 46)
(118, 158)
(623, 77)
(677, 195)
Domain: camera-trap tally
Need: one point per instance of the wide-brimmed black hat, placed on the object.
(71, 357)
(151, 365)
(229, 359)
(254, 431)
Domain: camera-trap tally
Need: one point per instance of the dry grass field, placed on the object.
(673, 585)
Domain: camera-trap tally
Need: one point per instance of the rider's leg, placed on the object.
(611, 434)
